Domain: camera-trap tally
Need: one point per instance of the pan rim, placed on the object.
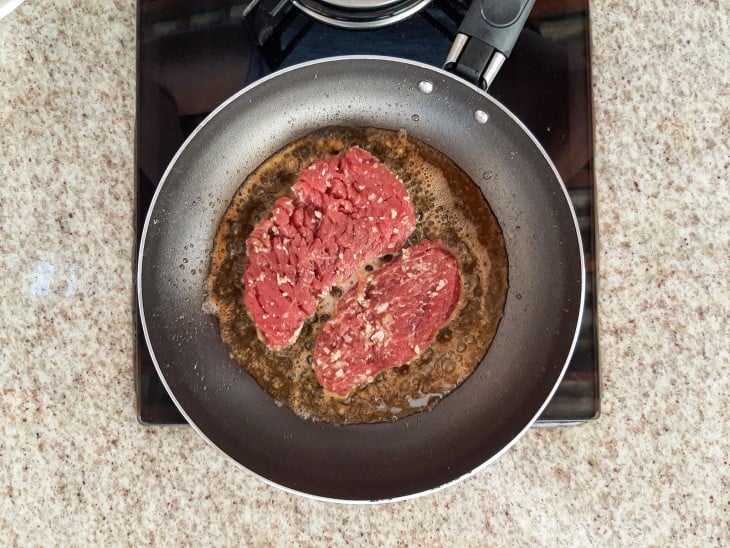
(299, 66)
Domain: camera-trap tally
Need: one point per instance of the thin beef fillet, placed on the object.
(347, 210)
(388, 318)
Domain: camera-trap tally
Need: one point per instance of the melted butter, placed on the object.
(423, 400)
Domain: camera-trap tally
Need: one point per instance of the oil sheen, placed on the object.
(450, 208)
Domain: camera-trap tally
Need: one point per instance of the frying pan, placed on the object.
(534, 341)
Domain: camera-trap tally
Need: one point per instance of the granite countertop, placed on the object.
(75, 466)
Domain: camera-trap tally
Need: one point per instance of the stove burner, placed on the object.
(193, 55)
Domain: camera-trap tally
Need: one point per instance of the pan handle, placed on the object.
(485, 39)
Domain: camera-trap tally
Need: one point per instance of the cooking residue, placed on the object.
(450, 209)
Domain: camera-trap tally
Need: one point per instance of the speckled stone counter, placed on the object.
(75, 466)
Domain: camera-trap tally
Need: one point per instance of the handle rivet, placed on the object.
(425, 86)
(481, 116)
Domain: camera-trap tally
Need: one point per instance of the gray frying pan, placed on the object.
(533, 344)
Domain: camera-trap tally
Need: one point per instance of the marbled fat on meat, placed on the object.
(347, 210)
(388, 318)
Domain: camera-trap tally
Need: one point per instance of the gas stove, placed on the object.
(191, 55)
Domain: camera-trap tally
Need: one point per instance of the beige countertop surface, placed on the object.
(75, 466)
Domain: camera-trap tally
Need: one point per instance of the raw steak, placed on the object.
(347, 210)
(388, 318)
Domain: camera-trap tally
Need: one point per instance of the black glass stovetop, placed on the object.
(191, 55)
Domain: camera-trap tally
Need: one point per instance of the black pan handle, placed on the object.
(485, 39)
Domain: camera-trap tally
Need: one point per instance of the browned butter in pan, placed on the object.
(450, 209)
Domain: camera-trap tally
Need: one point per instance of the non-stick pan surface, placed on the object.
(480, 419)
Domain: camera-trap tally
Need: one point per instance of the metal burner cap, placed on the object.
(362, 4)
(360, 14)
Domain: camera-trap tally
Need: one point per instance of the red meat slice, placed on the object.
(388, 318)
(347, 210)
